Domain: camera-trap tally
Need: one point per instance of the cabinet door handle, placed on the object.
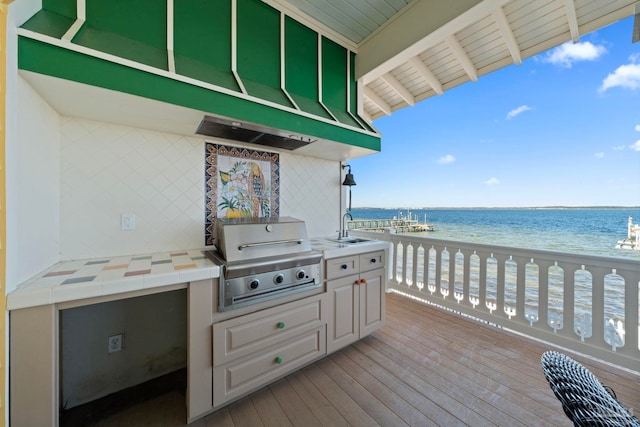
(280, 325)
(278, 360)
(357, 282)
(373, 260)
(344, 266)
(363, 281)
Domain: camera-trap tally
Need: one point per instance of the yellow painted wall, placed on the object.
(3, 224)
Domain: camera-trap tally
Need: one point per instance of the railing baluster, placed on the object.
(438, 276)
(502, 259)
(569, 299)
(403, 274)
(543, 292)
(414, 265)
(597, 307)
(483, 280)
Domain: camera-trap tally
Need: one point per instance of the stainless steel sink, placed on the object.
(350, 240)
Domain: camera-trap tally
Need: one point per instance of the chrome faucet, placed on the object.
(344, 233)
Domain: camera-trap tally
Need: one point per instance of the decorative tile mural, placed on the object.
(239, 183)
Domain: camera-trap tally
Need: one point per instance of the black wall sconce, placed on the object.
(349, 181)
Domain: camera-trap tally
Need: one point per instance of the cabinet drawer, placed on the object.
(340, 267)
(372, 260)
(243, 335)
(250, 373)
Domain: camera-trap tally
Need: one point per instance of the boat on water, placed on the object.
(633, 237)
(398, 224)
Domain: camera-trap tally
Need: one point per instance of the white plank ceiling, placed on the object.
(410, 50)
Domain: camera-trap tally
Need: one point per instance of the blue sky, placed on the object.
(563, 128)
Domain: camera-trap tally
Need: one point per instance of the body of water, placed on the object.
(580, 231)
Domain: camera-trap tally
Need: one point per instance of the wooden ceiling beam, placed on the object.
(507, 35)
(427, 74)
(572, 19)
(462, 57)
(376, 99)
(399, 88)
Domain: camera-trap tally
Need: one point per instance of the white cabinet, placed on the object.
(252, 350)
(355, 286)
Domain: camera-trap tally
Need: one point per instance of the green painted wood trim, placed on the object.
(301, 67)
(141, 20)
(120, 46)
(311, 106)
(59, 62)
(353, 106)
(301, 60)
(132, 29)
(258, 56)
(49, 23)
(202, 32)
(344, 117)
(207, 73)
(262, 91)
(334, 75)
(65, 8)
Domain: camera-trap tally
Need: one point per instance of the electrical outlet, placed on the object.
(128, 221)
(115, 343)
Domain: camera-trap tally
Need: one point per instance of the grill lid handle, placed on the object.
(275, 242)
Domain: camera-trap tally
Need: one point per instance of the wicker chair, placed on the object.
(585, 400)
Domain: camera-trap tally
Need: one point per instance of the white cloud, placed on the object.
(521, 109)
(599, 155)
(625, 76)
(492, 181)
(446, 159)
(635, 146)
(568, 53)
(618, 148)
(638, 128)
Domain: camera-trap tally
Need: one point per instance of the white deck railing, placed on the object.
(588, 304)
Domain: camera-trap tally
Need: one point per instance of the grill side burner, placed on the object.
(264, 259)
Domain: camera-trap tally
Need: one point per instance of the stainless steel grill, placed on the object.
(264, 259)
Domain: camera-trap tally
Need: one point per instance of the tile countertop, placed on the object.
(332, 249)
(74, 280)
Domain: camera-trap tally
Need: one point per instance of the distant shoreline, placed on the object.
(501, 208)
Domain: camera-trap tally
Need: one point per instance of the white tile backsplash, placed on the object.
(110, 169)
(310, 190)
(107, 170)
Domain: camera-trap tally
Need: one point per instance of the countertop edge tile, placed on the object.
(75, 291)
(202, 273)
(126, 284)
(150, 281)
(30, 298)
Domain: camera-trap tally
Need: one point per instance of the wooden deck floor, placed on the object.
(425, 367)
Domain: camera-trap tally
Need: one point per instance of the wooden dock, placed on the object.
(397, 225)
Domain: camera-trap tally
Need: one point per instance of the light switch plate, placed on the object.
(128, 221)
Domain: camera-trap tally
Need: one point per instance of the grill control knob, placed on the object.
(301, 274)
(278, 279)
(253, 285)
